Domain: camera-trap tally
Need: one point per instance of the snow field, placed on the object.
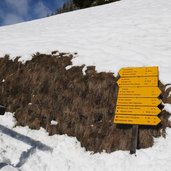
(67, 153)
(121, 34)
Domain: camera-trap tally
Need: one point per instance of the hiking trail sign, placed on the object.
(138, 95)
(138, 110)
(133, 119)
(139, 92)
(137, 101)
(140, 71)
(138, 81)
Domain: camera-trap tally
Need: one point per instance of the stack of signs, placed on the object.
(137, 101)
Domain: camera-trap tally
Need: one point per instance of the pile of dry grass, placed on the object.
(43, 89)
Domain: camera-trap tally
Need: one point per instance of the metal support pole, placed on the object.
(134, 139)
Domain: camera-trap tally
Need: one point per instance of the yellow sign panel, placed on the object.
(139, 92)
(138, 81)
(140, 71)
(137, 96)
(140, 120)
(138, 110)
(138, 101)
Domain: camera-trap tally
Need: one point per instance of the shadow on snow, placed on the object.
(25, 139)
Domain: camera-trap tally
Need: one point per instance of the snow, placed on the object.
(9, 168)
(122, 34)
(167, 86)
(167, 107)
(67, 154)
(53, 122)
(112, 36)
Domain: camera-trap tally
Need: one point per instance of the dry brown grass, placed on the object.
(42, 90)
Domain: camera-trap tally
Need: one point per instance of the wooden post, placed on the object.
(134, 139)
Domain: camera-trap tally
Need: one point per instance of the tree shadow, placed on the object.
(26, 154)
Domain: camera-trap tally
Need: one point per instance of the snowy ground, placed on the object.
(125, 33)
(65, 153)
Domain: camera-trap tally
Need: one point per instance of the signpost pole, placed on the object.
(134, 139)
(137, 102)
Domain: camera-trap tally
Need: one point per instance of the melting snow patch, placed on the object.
(8, 120)
(168, 86)
(53, 122)
(167, 107)
(169, 94)
(68, 67)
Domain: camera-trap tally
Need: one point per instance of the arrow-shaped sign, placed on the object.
(139, 92)
(139, 71)
(138, 102)
(140, 120)
(138, 110)
(138, 81)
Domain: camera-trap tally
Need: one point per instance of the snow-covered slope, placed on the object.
(68, 155)
(125, 33)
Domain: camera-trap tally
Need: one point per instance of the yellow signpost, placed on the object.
(138, 101)
(137, 110)
(139, 92)
(138, 81)
(141, 120)
(140, 71)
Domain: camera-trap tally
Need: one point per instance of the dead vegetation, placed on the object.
(43, 89)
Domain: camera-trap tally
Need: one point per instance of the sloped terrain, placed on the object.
(127, 33)
(120, 34)
(42, 90)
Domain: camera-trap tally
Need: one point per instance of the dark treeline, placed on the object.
(72, 5)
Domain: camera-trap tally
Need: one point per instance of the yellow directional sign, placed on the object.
(140, 71)
(138, 102)
(138, 81)
(139, 92)
(136, 110)
(140, 120)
